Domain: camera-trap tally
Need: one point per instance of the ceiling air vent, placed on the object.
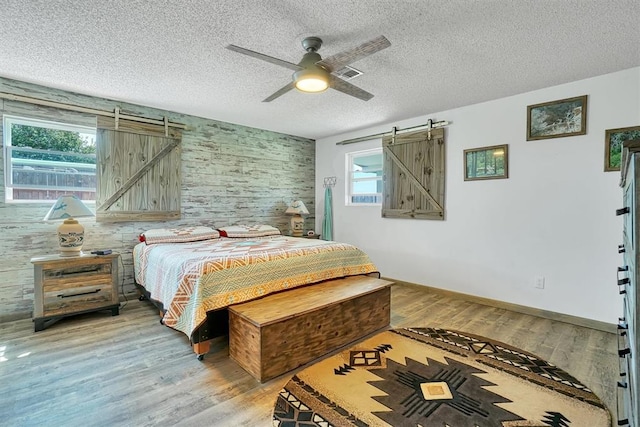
(347, 73)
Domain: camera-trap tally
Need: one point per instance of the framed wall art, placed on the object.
(556, 119)
(613, 139)
(486, 163)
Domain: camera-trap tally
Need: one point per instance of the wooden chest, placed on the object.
(281, 332)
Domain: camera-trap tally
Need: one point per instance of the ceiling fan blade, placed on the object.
(339, 60)
(344, 87)
(264, 57)
(280, 92)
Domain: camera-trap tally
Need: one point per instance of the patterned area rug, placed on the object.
(423, 377)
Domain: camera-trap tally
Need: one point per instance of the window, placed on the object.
(45, 159)
(364, 177)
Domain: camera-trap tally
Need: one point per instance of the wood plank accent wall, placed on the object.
(231, 174)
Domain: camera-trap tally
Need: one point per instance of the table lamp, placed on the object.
(296, 210)
(70, 232)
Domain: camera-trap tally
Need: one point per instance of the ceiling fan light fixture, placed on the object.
(311, 81)
(314, 74)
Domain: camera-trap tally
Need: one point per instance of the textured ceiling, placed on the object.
(170, 54)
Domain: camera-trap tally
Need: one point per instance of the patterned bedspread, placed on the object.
(190, 279)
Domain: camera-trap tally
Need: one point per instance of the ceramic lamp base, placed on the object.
(70, 237)
(297, 225)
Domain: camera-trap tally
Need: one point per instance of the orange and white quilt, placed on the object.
(190, 279)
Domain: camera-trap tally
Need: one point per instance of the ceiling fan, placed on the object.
(314, 74)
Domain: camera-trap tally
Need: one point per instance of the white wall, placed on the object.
(553, 217)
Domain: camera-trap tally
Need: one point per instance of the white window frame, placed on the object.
(9, 120)
(349, 181)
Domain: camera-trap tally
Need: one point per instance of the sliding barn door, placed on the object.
(413, 165)
(138, 177)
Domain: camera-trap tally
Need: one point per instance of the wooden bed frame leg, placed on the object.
(201, 348)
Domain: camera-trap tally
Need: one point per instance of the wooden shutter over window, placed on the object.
(413, 180)
(138, 176)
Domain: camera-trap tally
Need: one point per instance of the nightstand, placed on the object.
(65, 286)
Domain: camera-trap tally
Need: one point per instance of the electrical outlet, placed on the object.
(539, 282)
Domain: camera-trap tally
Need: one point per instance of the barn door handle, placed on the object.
(622, 211)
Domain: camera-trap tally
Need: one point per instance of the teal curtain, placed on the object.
(327, 221)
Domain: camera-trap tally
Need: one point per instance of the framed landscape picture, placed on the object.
(556, 119)
(613, 140)
(486, 163)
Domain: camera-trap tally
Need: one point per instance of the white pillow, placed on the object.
(178, 235)
(258, 230)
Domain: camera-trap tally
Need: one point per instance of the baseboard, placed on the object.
(545, 314)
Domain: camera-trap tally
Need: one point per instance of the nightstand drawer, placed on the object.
(62, 301)
(71, 274)
(74, 280)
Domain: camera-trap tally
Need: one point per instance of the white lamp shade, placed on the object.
(67, 206)
(70, 232)
(297, 207)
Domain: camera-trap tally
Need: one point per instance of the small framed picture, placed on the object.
(486, 163)
(556, 119)
(613, 139)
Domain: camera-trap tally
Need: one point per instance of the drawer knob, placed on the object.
(624, 352)
(622, 329)
(622, 211)
(623, 268)
(621, 249)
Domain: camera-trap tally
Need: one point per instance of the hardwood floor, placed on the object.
(129, 370)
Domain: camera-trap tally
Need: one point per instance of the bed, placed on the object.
(194, 282)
